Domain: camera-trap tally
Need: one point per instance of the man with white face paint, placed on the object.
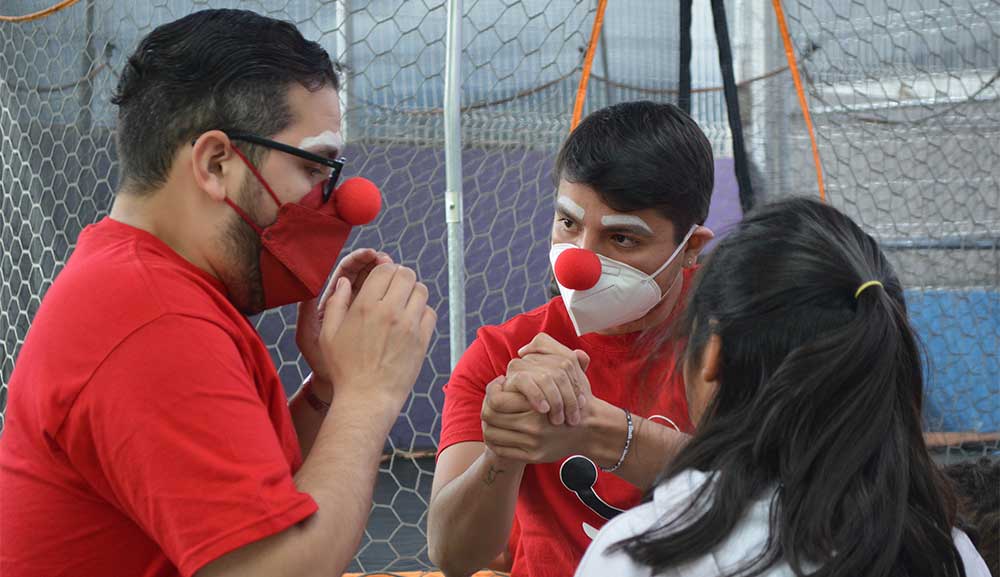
(557, 420)
(147, 430)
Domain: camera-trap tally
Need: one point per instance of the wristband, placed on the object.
(628, 443)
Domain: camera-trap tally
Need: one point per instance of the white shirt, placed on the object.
(745, 542)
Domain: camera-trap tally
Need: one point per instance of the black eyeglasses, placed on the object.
(335, 165)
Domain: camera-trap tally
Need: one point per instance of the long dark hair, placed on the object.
(818, 407)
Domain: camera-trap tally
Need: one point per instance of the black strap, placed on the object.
(732, 104)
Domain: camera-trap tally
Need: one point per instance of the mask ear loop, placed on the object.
(256, 173)
(653, 276)
(677, 250)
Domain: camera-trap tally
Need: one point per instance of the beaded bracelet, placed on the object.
(628, 443)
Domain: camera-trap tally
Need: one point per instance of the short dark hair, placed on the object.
(214, 69)
(976, 485)
(640, 155)
(820, 391)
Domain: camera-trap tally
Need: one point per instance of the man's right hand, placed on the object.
(374, 346)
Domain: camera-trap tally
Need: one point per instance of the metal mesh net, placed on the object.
(904, 95)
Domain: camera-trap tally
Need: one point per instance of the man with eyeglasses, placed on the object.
(147, 432)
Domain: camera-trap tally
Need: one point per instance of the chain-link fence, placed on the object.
(904, 94)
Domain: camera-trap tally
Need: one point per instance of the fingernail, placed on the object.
(574, 419)
(582, 400)
(544, 407)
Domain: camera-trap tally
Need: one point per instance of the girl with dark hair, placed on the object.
(804, 381)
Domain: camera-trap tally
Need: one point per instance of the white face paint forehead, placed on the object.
(327, 139)
(626, 220)
(571, 208)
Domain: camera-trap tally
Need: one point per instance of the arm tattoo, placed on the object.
(491, 475)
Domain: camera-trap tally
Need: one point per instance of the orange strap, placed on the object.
(40, 14)
(581, 91)
(794, 67)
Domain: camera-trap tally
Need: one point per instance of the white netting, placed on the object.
(904, 95)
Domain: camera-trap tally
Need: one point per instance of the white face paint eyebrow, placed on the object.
(571, 208)
(627, 220)
(327, 141)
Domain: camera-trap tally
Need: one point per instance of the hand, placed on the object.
(375, 345)
(354, 267)
(513, 430)
(552, 378)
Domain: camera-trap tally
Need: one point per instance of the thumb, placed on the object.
(335, 307)
(496, 385)
(583, 358)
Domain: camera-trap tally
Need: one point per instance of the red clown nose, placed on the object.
(358, 201)
(578, 269)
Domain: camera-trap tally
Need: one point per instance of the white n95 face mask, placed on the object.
(622, 294)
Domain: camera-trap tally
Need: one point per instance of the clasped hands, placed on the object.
(538, 412)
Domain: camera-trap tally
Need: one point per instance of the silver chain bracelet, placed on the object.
(628, 443)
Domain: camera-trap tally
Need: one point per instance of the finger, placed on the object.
(580, 364)
(495, 386)
(336, 307)
(362, 276)
(544, 344)
(318, 306)
(383, 258)
(401, 287)
(428, 322)
(417, 301)
(310, 309)
(524, 384)
(377, 284)
(570, 397)
(510, 402)
(553, 395)
(570, 380)
(508, 438)
(356, 261)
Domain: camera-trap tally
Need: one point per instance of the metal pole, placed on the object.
(345, 36)
(88, 58)
(453, 180)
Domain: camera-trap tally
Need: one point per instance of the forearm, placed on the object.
(339, 475)
(470, 519)
(652, 447)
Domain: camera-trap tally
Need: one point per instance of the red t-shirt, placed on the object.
(147, 432)
(557, 510)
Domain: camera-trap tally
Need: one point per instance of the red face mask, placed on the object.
(300, 248)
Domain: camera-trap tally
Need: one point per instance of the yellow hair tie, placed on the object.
(862, 288)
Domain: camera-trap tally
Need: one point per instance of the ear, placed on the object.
(711, 357)
(215, 167)
(701, 237)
